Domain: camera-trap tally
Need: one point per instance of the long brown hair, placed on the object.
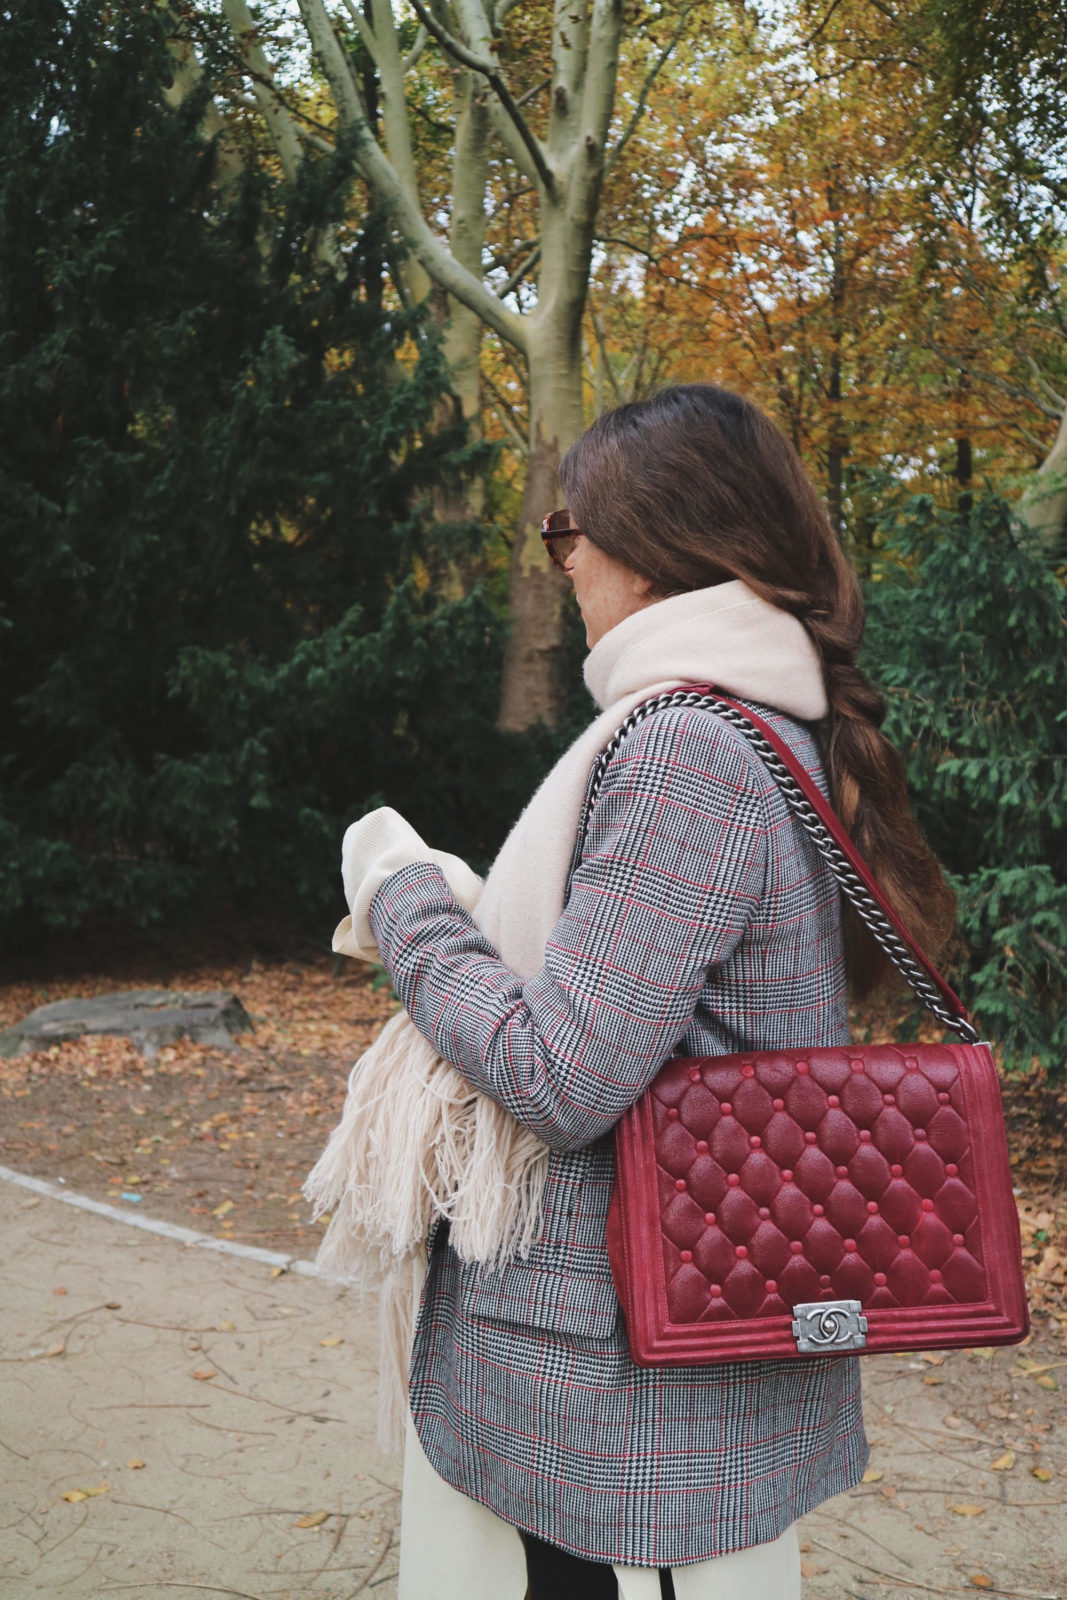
(695, 487)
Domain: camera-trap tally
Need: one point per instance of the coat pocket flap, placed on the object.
(541, 1297)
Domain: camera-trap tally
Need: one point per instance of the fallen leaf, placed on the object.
(220, 1211)
(1046, 1381)
(113, 1305)
(933, 1359)
(227, 1327)
(134, 1463)
(872, 1475)
(60, 1290)
(74, 1495)
(53, 1350)
(968, 1511)
(1042, 1474)
(979, 1580)
(953, 1422)
(331, 1344)
(202, 1374)
(808, 1569)
(276, 1272)
(933, 1378)
(1004, 1463)
(314, 1520)
(888, 1490)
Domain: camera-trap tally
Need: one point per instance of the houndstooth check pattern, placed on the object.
(700, 921)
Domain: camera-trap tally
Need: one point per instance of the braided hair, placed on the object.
(696, 486)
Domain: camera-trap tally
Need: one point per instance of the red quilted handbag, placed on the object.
(816, 1202)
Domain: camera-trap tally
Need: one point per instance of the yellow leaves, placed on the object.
(981, 1580)
(276, 1272)
(220, 1211)
(203, 1374)
(872, 1475)
(227, 1327)
(1042, 1474)
(135, 1463)
(314, 1519)
(332, 1342)
(1004, 1463)
(74, 1495)
(965, 1510)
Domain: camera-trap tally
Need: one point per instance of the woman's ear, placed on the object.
(643, 587)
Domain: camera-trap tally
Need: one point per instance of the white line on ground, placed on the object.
(166, 1230)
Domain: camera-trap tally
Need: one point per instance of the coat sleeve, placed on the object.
(671, 876)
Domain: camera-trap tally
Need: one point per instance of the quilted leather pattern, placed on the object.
(788, 1180)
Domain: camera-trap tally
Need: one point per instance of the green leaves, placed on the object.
(966, 636)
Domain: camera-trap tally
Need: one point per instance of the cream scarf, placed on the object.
(416, 1142)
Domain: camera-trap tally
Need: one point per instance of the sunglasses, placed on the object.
(560, 533)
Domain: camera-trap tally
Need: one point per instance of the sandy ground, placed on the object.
(169, 1416)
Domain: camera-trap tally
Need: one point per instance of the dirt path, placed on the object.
(194, 1409)
(968, 1484)
(171, 1416)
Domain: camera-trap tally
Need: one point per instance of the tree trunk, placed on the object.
(1044, 505)
(964, 474)
(537, 592)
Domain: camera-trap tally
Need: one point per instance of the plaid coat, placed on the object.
(700, 921)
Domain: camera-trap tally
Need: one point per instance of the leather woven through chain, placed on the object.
(851, 885)
(791, 1180)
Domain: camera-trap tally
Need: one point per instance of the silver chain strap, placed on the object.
(851, 884)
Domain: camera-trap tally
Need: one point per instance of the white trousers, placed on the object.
(452, 1548)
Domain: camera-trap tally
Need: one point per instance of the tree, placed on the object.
(222, 631)
(966, 634)
(565, 58)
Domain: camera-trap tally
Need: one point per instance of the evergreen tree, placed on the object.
(223, 623)
(966, 634)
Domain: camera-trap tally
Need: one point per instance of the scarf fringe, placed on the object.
(417, 1145)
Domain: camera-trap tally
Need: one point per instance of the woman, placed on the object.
(698, 920)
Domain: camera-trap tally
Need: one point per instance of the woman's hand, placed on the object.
(375, 847)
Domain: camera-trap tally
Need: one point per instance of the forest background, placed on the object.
(299, 306)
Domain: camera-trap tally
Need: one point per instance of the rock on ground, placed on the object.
(149, 1017)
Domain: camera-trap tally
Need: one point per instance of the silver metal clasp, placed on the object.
(829, 1326)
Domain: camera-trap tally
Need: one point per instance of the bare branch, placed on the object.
(503, 408)
(415, 52)
(502, 9)
(597, 105)
(628, 244)
(995, 380)
(646, 88)
(388, 187)
(271, 104)
(520, 272)
(489, 70)
(364, 29)
(531, 94)
(1044, 386)
(605, 358)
